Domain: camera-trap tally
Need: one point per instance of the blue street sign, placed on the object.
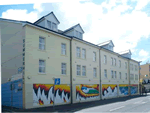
(57, 81)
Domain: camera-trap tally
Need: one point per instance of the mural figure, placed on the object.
(86, 92)
(123, 90)
(109, 91)
(43, 94)
(134, 89)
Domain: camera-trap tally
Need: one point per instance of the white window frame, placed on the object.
(105, 59)
(115, 74)
(42, 66)
(112, 74)
(42, 43)
(115, 61)
(120, 63)
(94, 72)
(49, 23)
(63, 48)
(112, 61)
(136, 77)
(126, 76)
(78, 68)
(94, 56)
(84, 53)
(120, 76)
(105, 73)
(78, 52)
(63, 69)
(83, 71)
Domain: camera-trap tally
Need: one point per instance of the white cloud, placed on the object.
(143, 53)
(125, 30)
(141, 4)
(20, 15)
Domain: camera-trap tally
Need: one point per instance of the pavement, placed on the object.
(136, 103)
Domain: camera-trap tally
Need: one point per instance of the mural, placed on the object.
(123, 89)
(43, 94)
(109, 90)
(86, 92)
(134, 89)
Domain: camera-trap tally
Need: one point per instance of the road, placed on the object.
(140, 104)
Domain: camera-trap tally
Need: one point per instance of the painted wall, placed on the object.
(12, 35)
(52, 56)
(87, 92)
(43, 94)
(88, 62)
(12, 96)
(109, 91)
(134, 89)
(123, 89)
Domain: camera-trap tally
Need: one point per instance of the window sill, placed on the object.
(81, 76)
(63, 74)
(42, 50)
(42, 73)
(63, 55)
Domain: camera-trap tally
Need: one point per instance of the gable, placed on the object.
(51, 17)
(78, 28)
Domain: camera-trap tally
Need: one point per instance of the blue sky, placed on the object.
(125, 22)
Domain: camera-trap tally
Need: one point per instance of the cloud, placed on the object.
(20, 15)
(143, 53)
(125, 30)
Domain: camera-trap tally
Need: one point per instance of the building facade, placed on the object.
(40, 52)
(145, 73)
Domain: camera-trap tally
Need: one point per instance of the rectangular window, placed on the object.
(126, 77)
(112, 74)
(94, 72)
(80, 35)
(63, 68)
(135, 67)
(23, 40)
(120, 75)
(41, 66)
(83, 70)
(94, 56)
(131, 77)
(136, 77)
(105, 59)
(41, 43)
(83, 53)
(76, 33)
(23, 58)
(111, 61)
(119, 63)
(105, 73)
(78, 70)
(78, 52)
(115, 76)
(125, 65)
(114, 61)
(49, 24)
(63, 49)
(54, 27)
(132, 66)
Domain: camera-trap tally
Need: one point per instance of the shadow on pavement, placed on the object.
(72, 107)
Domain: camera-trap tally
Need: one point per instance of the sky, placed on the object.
(125, 22)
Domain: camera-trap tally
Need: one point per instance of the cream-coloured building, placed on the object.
(41, 53)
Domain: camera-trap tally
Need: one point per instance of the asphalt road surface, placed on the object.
(140, 104)
(127, 104)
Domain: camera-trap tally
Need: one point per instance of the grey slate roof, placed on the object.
(105, 43)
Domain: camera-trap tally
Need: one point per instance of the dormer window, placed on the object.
(78, 34)
(52, 25)
(110, 47)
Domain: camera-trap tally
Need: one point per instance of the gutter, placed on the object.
(100, 75)
(71, 71)
(46, 30)
(129, 77)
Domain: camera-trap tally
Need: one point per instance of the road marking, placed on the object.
(116, 108)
